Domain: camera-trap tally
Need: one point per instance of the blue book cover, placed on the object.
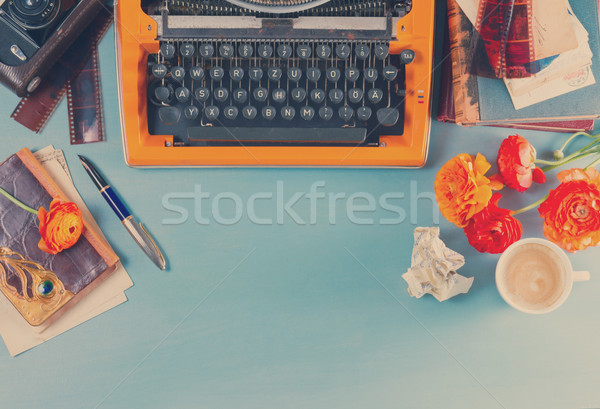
(495, 104)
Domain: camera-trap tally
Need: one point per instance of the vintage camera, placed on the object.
(35, 33)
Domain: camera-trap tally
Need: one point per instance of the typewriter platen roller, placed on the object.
(275, 82)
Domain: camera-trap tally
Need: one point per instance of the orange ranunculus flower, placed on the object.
(60, 227)
(493, 229)
(572, 211)
(516, 163)
(462, 189)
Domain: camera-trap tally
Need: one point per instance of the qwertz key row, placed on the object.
(277, 92)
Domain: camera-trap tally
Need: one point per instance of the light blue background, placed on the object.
(300, 316)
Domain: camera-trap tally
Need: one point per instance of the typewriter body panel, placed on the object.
(353, 136)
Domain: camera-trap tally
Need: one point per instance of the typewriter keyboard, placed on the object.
(276, 92)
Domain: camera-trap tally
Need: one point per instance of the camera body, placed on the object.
(35, 33)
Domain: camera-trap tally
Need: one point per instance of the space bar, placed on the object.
(278, 135)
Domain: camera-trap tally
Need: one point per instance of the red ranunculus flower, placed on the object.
(572, 211)
(493, 229)
(60, 227)
(516, 158)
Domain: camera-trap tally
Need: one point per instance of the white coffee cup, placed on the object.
(535, 276)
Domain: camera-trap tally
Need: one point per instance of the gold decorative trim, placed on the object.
(34, 305)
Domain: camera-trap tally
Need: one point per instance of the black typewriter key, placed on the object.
(197, 73)
(268, 112)
(211, 112)
(352, 74)
(206, 50)
(336, 95)
(333, 74)
(284, 51)
(326, 113)
(342, 51)
(278, 95)
(375, 95)
(307, 113)
(191, 112)
(317, 95)
(364, 113)
(159, 70)
(323, 51)
(381, 51)
(201, 94)
(230, 112)
(303, 51)
(390, 72)
(187, 50)
(216, 73)
(240, 95)
(236, 73)
(274, 73)
(371, 74)
(362, 51)
(345, 113)
(288, 112)
(407, 56)
(298, 94)
(245, 50)
(294, 74)
(226, 50)
(255, 73)
(260, 94)
(182, 94)
(265, 50)
(221, 94)
(249, 112)
(167, 50)
(178, 73)
(169, 115)
(388, 116)
(164, 94)
(355, 95)
(313, 74)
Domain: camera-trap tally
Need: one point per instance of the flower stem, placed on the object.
(576, 134)
(17, 202)
(531, 206)
(594, 163)
(575, 156)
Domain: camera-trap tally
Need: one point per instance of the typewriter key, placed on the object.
(323, 51)
(294, 74)
(336, 95)
(191, 112)
(226, 50)
(167, 50)
(211, 112)
(375, 95)
(371, 74)
(182, 94)
(342, 51)
(268, 112)
(303, 51)
(230, 112)
(407, 56)
(288, 112)
(178, 73)
(352, 74)
(265, 50)
(307, 113)
(274, 73)
(201, 94)
(249, 112)
(187, 50)
(364, 113)
(206, 50)
(260, 94)
(216, 73)
(221, 94)
(278, 95)
(298, 94)
(284, 50)
(317, 95)
(255, 73)
(159, 70)
(355, 95)
(346, 113)
(197, 73)
(240, 95)
(236, 73)
(333, 74)
(362, 51)
(381, 51)
(326, 113)
(313, 74)
(245, 50)
(390, 72)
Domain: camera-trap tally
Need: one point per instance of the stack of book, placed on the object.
(553, 84)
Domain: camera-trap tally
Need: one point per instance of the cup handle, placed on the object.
(581, 275)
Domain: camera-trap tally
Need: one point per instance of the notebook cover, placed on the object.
(495, 103)
(74, 271)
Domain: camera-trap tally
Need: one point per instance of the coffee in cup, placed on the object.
(535, 276)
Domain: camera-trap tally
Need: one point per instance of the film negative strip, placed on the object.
(72, 74)
(84, 98)
(506, 28)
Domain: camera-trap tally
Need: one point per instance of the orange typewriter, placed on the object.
(275, 82)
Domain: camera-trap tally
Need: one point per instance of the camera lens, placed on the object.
(34, 14)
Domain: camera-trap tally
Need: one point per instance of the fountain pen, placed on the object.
(135, 229)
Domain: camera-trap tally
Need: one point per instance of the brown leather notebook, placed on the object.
(42, 286)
